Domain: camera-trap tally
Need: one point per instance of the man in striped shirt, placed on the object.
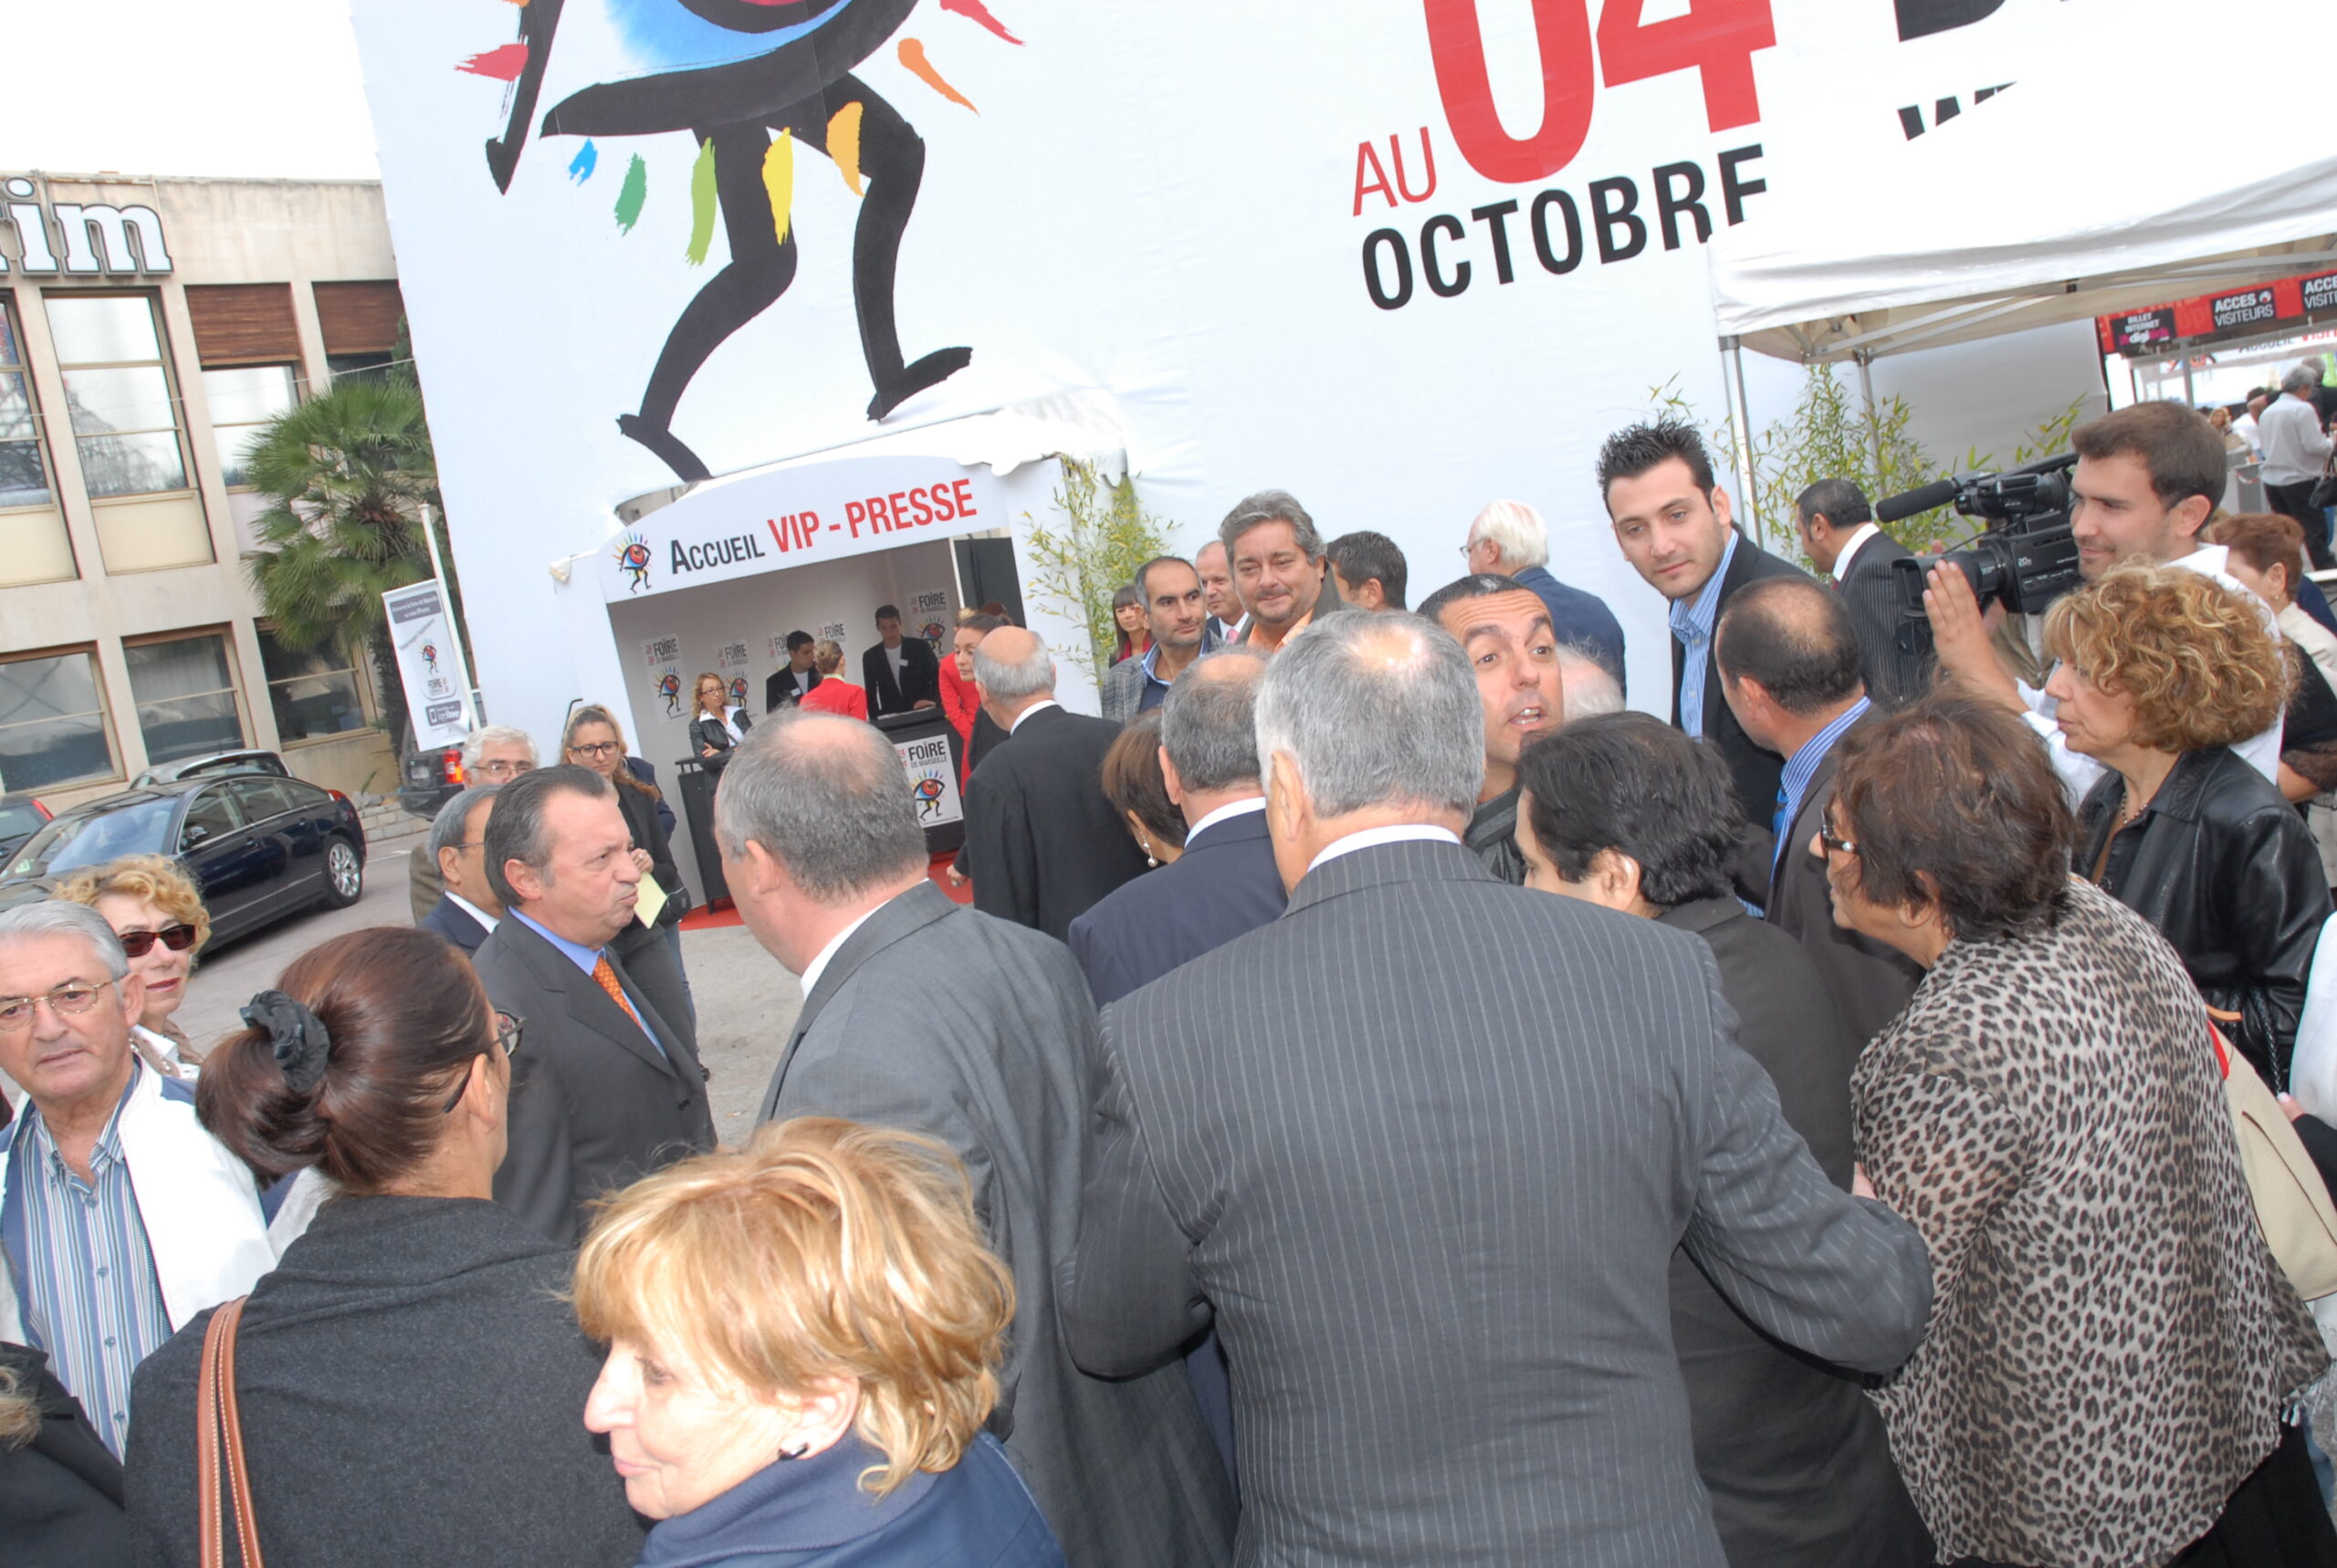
(120, 1217)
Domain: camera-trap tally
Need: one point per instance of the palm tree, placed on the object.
(348, 471)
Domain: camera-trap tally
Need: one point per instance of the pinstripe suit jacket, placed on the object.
(1895, 654)
(1423, 1146)
(979, 1032)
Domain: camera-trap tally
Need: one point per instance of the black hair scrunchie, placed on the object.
(295, 1034)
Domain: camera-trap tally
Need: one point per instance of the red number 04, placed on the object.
(1716, 37)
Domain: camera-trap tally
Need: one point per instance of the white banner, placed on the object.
(425, 639)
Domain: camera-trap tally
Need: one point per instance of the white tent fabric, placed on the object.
(2080, 191)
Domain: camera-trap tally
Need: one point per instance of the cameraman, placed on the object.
(2147, 479)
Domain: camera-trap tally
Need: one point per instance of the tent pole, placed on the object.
(1873, 425)
(2188, 399)
(1740, 423)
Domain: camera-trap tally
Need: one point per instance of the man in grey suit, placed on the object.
(1788, 660)
(1181, 635)
(1422, 1149)
(923, 1015)
(1839, 536)
(603, 1090)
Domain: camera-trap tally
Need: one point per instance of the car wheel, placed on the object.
(344, 873)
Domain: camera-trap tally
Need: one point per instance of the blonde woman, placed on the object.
(158, 914)
(717, 725)
(803, 1343)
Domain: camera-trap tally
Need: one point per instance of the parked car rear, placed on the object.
(257, 846)
(21, 817)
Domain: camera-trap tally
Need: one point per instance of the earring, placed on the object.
(1144, 842)
(796, 1452)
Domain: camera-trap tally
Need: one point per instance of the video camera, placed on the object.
(2024, 554)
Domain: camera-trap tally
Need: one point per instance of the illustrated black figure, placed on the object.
(798, 85)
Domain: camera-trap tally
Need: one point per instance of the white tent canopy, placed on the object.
(2078, 191)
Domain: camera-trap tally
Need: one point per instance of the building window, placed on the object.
(24, 476)
(53, 727)
(358, 367)
(243, 401)
(185, 692)
(118, 391)
(315, 695)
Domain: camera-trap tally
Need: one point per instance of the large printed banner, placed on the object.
(1399, 256)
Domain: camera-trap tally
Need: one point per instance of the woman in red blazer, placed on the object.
(834, 694)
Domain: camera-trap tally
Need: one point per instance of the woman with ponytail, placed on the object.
(408, 1378)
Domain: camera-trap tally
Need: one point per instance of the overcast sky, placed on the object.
(250, 88)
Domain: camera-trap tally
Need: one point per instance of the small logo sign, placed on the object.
(430, 656)
(669, 686)
(633, 554)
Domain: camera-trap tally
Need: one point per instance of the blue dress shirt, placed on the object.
(1692, 622)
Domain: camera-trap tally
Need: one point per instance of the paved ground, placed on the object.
(745, 1002)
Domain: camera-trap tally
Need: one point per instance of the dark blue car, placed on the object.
(258, 847)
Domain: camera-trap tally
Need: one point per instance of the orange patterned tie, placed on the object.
(605, 973)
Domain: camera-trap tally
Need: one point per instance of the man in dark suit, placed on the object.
(467, 908)
(900, 673)
(1627, 812)
(1042, 841)
(1838, 534)
(1671, 519)
(1225, 881)
(1788, 657)
(791, 685)
(603, 1090)
(1379, 1142)
(923, 1015)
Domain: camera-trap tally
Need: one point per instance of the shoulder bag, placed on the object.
(220, 1479)
(2291, 1201)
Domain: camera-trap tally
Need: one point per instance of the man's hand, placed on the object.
(1960, 635)
(642, 861)
(919, 705)
(957, 877)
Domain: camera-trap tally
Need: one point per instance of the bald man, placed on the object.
(1043, 843)
(1788, 658)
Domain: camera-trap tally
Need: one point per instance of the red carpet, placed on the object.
(722, 912)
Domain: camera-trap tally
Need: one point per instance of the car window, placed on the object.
(262, 798)
(19, 817)
(137, 827)
(304, 797)
(208, 816)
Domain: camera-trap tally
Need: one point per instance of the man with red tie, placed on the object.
(602, 1091)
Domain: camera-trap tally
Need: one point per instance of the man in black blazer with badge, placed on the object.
(1224, 884)
(923, 1015)
(791, 685)
(1838, 532)
(900, 673)
(1671, 519)
(1043, 843)
(603, 1090)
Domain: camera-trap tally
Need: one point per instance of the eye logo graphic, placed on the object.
(738, 689)
(747, 78)
(926, 793)
(669, 686)
(430, 657)
(633, 554)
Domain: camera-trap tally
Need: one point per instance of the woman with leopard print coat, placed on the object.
(2111, 1347)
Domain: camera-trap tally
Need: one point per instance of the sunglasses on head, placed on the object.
(177, 938)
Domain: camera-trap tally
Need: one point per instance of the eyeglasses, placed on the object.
(69, 1000)
(502, 771)
(598, 749)
(177, 938)
(1833, 844)
(507, 1035)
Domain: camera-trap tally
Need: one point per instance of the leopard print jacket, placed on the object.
(2111, 1343)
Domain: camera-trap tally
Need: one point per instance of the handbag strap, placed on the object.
(219, 1432)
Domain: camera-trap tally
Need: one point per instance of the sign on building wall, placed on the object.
(423, 637)
(663, 656)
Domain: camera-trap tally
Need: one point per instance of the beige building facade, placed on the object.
(148, 329)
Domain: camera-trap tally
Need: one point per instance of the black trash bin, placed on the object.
(930, 757)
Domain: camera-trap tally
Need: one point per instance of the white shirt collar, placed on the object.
(1396, 833)
(1225, 813)
(819, 964)
(1842, 561)
(487, 922)
(1042, 703)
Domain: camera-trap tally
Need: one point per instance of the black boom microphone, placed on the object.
(1939, 493)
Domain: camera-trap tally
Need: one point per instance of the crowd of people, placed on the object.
(1384, 1102)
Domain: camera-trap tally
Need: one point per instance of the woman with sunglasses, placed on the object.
(408, 1377)
(159, 915)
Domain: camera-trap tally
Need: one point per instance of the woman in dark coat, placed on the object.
(2161, 672)
(409, 1380)
(652, 954)
(60, 1486)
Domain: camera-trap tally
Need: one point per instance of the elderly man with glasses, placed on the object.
(492, 754)
(121, 1218)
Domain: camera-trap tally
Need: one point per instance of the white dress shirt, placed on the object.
(819, 964)
(1842, 561)
(1396, 833)
(487, 922)
(2295, 446)
(1026, 713)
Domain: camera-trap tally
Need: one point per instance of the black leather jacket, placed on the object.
(2228, 873)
